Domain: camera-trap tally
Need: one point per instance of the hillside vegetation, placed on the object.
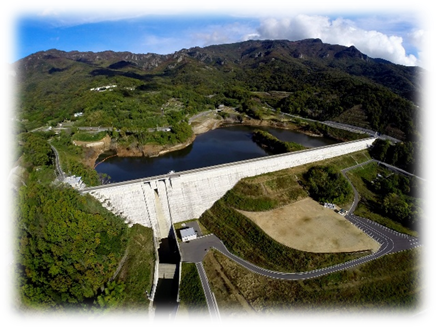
(390, 199)
(307, 77)
(272, 144)
(262, 193)
(389, 285)
(68, 248)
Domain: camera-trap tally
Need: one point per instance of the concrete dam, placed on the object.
(159, 201)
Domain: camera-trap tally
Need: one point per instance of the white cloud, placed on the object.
(420, 39)
(339, 31)
(109, 13)
(225, 33)
(160, 45)
(210, 6)
(47, 11)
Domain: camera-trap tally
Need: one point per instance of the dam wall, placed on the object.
(195, 192)
(186, 195)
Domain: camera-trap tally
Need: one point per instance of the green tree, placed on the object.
(325, 184)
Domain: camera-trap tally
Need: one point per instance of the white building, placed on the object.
(188, 234)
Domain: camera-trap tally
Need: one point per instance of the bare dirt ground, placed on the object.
(94, 149)
(308, 226)
(206, 126)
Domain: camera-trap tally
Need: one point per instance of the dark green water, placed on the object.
(219, 146)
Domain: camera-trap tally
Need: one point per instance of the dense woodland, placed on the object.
(68, 247)
(326, 184)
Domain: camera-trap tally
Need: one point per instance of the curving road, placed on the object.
(390, 242)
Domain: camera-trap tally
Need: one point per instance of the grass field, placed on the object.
(245, 239)
(392, 283)
(280, 188)
(88, 137)
(263, 193)
(307, 226)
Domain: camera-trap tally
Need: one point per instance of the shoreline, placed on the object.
(153, 150)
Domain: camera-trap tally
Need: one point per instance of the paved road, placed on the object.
(351, 128)
(61, 174)
(356, 194)
(390, 242)
(401, 171)
(210, 297)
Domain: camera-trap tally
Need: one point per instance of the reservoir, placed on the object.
(219, 146)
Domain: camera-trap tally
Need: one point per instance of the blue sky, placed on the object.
(397, 36)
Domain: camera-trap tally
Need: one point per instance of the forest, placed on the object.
(68, 247)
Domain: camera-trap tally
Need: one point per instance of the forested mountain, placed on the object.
(316, 80)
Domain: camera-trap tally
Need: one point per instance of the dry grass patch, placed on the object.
(307, 226)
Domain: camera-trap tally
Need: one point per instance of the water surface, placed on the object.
(219, 146)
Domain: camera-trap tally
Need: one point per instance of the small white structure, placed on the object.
(103, 88)
(75, 182)
(188, 234)
(78, 114)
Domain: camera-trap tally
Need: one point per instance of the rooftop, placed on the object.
(187, 232)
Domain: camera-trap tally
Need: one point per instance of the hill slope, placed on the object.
(319, 81)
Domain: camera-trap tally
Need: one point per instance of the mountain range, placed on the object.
(308, 77)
